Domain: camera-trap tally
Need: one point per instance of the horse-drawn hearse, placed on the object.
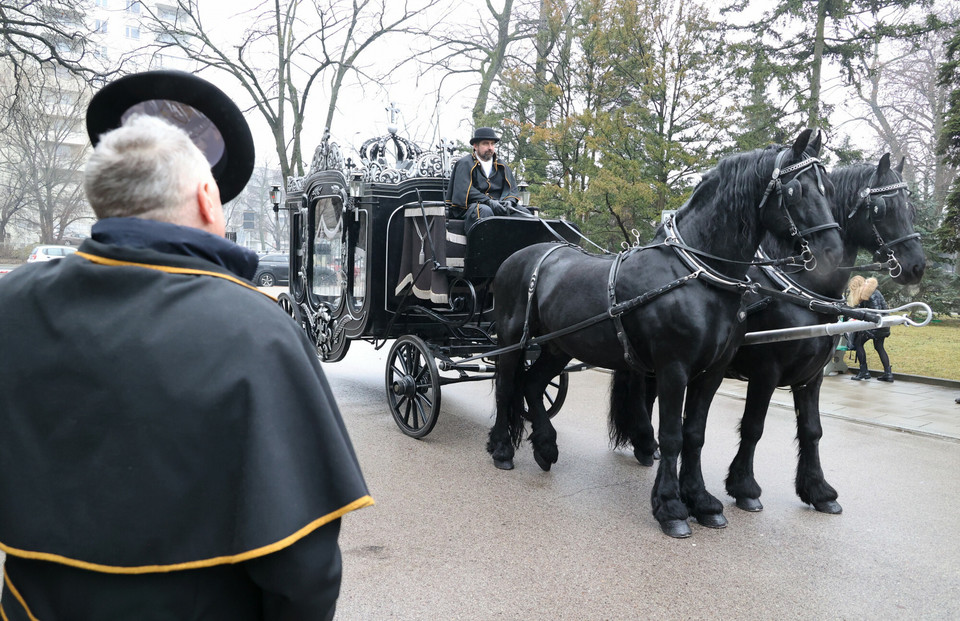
(764, 245)
(375, 257)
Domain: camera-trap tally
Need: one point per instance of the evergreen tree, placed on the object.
(948, 146)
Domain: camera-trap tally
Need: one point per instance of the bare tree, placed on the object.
(44, 148)
(906, 110)
(482, 46)
(13, 196)
(46, 31)
(290, 49)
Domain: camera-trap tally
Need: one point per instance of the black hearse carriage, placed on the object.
(374, 257)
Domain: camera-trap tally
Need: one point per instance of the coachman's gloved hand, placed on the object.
(499, 209)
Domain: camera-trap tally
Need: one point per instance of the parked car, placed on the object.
(274, 269)
(49, 253)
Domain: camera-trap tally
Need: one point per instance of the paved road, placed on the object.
(452, 538)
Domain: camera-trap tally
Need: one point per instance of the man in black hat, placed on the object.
(482, 186)
(170, 448)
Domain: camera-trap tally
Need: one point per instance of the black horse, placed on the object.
(872, 205)
(671, 308)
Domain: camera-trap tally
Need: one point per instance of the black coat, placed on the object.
(167, 431)
(468, 184)
(875, 302)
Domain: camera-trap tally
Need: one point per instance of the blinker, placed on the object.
(878, 206)
(792, 192)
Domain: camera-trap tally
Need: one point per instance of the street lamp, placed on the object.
(275, 199)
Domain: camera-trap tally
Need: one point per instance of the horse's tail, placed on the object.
(515, 419)
(621, 417)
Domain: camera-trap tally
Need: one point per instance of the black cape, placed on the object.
(189, 426)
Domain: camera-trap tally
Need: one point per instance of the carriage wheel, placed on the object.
(289, 307)
(413, 386)
(553, 395)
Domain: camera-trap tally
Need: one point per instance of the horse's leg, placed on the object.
(543, 436)
(631, 398)
(706, 508)
(740, 482)
(508, 428)
(668, 509)
(812, 488)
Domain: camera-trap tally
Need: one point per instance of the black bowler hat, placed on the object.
(484, 133)
(207, 114)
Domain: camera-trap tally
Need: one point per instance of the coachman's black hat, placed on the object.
(484, 133)
(211, 119)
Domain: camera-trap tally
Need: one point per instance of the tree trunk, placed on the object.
(495, 60)
(816, 65)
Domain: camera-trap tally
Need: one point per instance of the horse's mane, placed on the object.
(847, 183)
(736, 180)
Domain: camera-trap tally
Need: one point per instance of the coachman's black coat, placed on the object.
(469, 186)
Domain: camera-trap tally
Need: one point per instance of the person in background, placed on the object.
(481, 185)
(171, 448)
(864, 294)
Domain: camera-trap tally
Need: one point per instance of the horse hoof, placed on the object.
(503, 464)
(712, 520)
(828, 506)
(644, 460)
(678, 529)
(543, 463)
(752, 505)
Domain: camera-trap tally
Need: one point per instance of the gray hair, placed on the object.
(146, 168)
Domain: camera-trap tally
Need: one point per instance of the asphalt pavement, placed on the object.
(453, 538)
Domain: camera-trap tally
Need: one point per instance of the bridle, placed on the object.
(788, 190)
(873, 198)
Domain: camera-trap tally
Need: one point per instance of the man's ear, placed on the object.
(205, 202)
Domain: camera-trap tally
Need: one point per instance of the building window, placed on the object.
(133, 6)
(167, 13)
(100, 25)
(132, 32)
(101, 3)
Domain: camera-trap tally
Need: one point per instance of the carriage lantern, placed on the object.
(524, 193)
(356, 184)
(275, 199)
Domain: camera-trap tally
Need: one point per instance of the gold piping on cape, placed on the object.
(363, 501)
(93, 258)
(19, 598)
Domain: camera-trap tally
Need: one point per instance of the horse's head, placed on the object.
(882, 220)
(798, 204)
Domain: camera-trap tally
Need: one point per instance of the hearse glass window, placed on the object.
(360, 262)
(328, 278)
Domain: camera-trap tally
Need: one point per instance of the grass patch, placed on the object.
(931, 351)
